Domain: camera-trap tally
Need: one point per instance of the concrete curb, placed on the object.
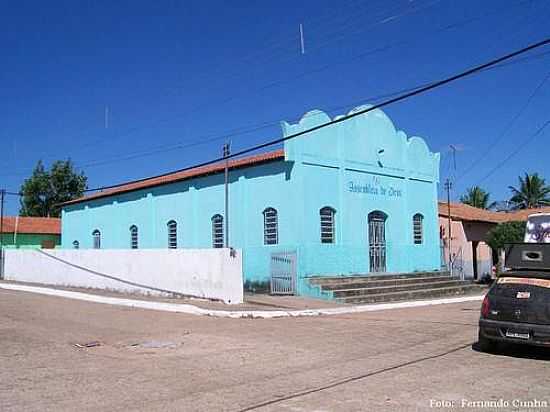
(263, 314)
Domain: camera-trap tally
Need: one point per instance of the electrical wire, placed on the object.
(255, 90)
(234, 133)
(394, 15)
(508, 127)
(520, 147)
(267, 45)
(364, 54)
(239, 132)
(433, 85)
(313, 24)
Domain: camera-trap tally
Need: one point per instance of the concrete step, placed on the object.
(389, 288)
(327, 280)
(368, 283)
(414, 294)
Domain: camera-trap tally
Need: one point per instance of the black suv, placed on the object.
(517, 307)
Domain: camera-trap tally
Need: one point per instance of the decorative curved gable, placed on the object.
(367, 141)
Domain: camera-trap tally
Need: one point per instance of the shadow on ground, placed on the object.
(518, 351)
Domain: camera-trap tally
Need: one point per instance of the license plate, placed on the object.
(523, 295)
(517, 335)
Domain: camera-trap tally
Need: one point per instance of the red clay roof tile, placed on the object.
(32, 225)
(188, 174)
(461, 211)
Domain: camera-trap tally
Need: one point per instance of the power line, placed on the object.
(508, 127)
(326, 66)
(268, 85)
(402, 97)
(291, 41)
(251, 56)
(381, 49)
(516, 150)
(240, 131)
(254, 128)
(276, 44)
(359, 9)
(396, 14)
(234, 133)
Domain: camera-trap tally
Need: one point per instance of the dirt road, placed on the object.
(411, 359)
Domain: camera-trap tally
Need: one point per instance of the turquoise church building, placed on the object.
(355, 197)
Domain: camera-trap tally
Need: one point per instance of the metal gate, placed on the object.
(283, 273)
(457, 264)
(377, 241)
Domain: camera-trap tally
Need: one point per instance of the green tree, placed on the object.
(42, 193)
(507, 232)
(532, 192)
(477, 197)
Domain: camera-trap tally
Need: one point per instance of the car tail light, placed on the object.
(485, 307)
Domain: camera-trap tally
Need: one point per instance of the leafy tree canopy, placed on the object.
(477, 197)
(508, 232)
(532, 192)
(42, 193)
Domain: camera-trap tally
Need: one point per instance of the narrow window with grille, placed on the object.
(417, 229)
(172, 234)
(327, 225)
(217, 231)
(97, 239)
(271, 227)
(134, 237)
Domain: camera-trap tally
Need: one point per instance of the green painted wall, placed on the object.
(27, 241)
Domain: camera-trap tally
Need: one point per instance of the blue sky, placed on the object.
(178, 76)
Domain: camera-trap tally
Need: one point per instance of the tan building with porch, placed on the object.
(472, 257)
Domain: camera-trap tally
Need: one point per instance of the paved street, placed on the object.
(409, 359)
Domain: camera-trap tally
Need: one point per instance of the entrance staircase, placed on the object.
(391, 288)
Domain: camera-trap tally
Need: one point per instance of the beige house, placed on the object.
(471, 256)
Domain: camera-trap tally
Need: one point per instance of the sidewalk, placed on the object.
(251, 301)
(255, 306)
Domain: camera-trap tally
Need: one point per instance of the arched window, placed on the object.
(417, 229)
(217, 231)
(271, 227)
(327, 224)
(134, 237)
(97, 239)
(172, 234)
(76, 244)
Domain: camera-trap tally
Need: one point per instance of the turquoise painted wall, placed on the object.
(357, 166)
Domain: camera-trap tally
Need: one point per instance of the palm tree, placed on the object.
(532, 192)
(477, 197)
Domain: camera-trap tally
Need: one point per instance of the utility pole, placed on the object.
(226, 153)
(2, 195)
(448, 186)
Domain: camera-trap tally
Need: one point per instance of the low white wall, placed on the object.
(205, 273)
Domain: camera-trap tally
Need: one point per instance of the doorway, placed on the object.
(377, 241)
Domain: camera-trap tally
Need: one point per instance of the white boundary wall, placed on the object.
(204, 273)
